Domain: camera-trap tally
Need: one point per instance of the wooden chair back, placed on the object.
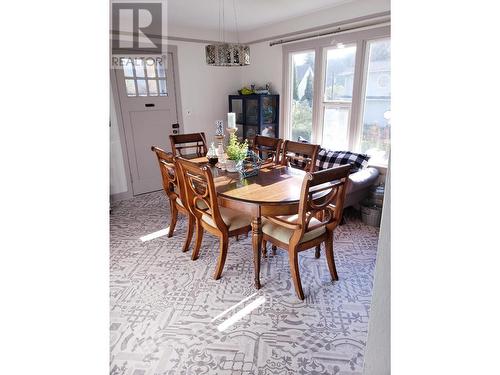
(169, 176)
(300, 155)
(322, 199)
(267, 148)
(199, 187)
(182, 143)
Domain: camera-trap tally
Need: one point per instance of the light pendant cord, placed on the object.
(223, 19)
(236, 22)
(220, 33)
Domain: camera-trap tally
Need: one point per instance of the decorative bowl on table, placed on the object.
(233, 166)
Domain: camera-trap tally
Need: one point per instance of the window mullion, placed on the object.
(132, 60)
(286, 107)
(357, 97)
(317, 123)
(289, 96)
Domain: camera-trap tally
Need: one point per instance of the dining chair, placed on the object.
(319, 213)
(300, 155)
(173, 190)
(182, 142)
(202, 202)
(268, 146)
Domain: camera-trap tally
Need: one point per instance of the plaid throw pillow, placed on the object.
(329, 159)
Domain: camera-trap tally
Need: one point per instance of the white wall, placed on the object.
(378, 345)
(265, 67)
(204, 89)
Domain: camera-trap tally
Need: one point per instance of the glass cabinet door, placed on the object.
(239, 132)
(252, 111)
(237, 107)
(268, 110)
(250, 132)
(269, 115)
(255, 114)
(269, 130)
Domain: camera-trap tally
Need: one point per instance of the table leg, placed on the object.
(257, 243)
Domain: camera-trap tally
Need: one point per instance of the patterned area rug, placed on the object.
(169, 316)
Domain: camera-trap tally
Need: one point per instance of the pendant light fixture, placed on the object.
(227, 54)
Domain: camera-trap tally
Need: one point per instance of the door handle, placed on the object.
(149, 105)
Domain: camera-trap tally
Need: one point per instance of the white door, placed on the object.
(146, 90)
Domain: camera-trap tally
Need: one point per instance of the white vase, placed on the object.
(233, 165)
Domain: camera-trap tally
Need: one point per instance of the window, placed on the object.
(144, 77)
(337, 96)
(376, 125)
(351, 109)
(302, 78)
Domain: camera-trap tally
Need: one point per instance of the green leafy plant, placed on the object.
(235, 150)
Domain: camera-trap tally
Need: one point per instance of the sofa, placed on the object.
(359, 185)
(361, 179)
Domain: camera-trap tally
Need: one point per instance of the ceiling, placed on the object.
(251, 14)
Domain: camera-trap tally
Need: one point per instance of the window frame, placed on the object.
(320, 47)
(145, 78)
(289, 93)
(364, 84)
(326, 104)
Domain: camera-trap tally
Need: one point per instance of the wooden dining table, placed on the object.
(275, 190)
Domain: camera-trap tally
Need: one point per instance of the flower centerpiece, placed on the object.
(236, 152)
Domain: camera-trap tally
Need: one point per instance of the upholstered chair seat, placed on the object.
(283, 234)
(233, 219)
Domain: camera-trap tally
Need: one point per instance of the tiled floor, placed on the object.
(169, 316)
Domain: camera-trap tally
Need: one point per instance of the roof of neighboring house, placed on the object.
(300, 71)
(301, 87)
(375, 67)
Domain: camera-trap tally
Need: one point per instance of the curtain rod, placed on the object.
(337, 30)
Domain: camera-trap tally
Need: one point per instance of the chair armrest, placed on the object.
(283, 223)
